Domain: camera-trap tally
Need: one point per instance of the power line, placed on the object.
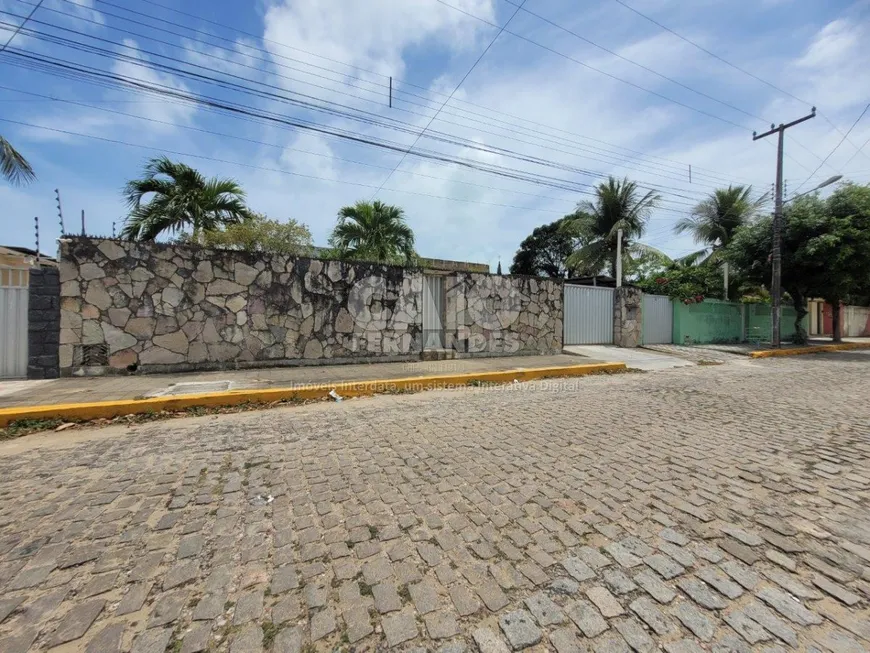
(273, 55)
(735, 67)
(598, 70)
(23, 23)
(548, 140)
(635, 63)
(375, 119)
(452, 93)
(836, 147)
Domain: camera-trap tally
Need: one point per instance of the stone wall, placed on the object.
(501, 315)
(627, 317)
(43, 330)
(154, 307)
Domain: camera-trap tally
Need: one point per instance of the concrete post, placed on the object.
(627, 317)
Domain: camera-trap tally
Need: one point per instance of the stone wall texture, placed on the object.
(627, 317)
(43, 328)
(150, 307)
(492, 314)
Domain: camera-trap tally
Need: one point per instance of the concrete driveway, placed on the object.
(638, 359)
(721, 509)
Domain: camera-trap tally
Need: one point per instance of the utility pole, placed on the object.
(619, 258)
(776, 255)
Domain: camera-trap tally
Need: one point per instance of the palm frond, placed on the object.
(13, 166)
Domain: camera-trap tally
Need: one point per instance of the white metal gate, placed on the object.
(588, 315)
(658, 319)
(14, 293)
(433, 312)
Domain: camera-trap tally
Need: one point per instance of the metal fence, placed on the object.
(658, 320)
(14, 299)
(588, 316)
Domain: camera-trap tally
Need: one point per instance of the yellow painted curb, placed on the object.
(814, 349)
(108, 409)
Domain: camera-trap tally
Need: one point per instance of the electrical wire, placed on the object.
(836, 147)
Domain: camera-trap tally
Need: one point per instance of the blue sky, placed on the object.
(539, 93)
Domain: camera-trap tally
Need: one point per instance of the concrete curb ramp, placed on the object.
(108, 409)
(814, 349)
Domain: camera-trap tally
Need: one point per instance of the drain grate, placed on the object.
(91, 355)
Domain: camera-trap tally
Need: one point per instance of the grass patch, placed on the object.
(364, 588)
(26, 426)
(270, 631)
(706, 362)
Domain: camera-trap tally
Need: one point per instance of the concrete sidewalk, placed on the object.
(115, 388)
(637, 359)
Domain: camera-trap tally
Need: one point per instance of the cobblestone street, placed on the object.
(714, 508)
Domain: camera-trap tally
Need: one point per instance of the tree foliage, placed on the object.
(180, 197)
(685, 283)
(545, 251)
(13, 166)
(714, 220)
(260, 234)
(373, 231)
(595, 225)
(824, 249)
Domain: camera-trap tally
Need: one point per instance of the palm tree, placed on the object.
(13, 166)
(373, 231)
(182, 198)
(714, 220)
(617, 205)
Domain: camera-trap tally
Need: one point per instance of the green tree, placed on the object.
(714, 220)
(595, 224)
(260, 234)
(180, 197)
(14, 167)
(543, 253)
(373, 231)
(824, 250)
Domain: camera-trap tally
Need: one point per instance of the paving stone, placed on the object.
(651, 616)
(788, 607)
(565, 586)
(322, 624)
(249, 607)
(289, 608)
(386, 597)
(664, 565)
(839, 641)
(670, 535)
(739, 551)
(694, 620)
(746, 627)
(623, 556)
(31, 577)
(565, 641)
(77, 621)
(618, 582)
(519, 629)
(8, 606)
(593, 557)
(316, 595)
(167, 608)
(400, 627)
(634, 634)
(578, 569)
(248, 640)
(701, 593)
(837, 591)
(441, 624)
(358, 622)
(610, 643)
(719, 580)
(749, 539)
(376, 569)
(491, 595)
(655, 587)
(730, 643)
(747, 578)
(424, 595)
(488, 642)
(210, 606)
(288, 640)
(791, 584)
(181, 573)
(781, 559)
(545, 611)
(681, 555)
(533, 572)
(604, 601)
(190, 546)
(153, 640)
(683, 646)
(761, 615)
(196, 638)
(587, 618)
(787, 544)
(108, 640)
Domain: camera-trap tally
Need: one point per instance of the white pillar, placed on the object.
(619, 258)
